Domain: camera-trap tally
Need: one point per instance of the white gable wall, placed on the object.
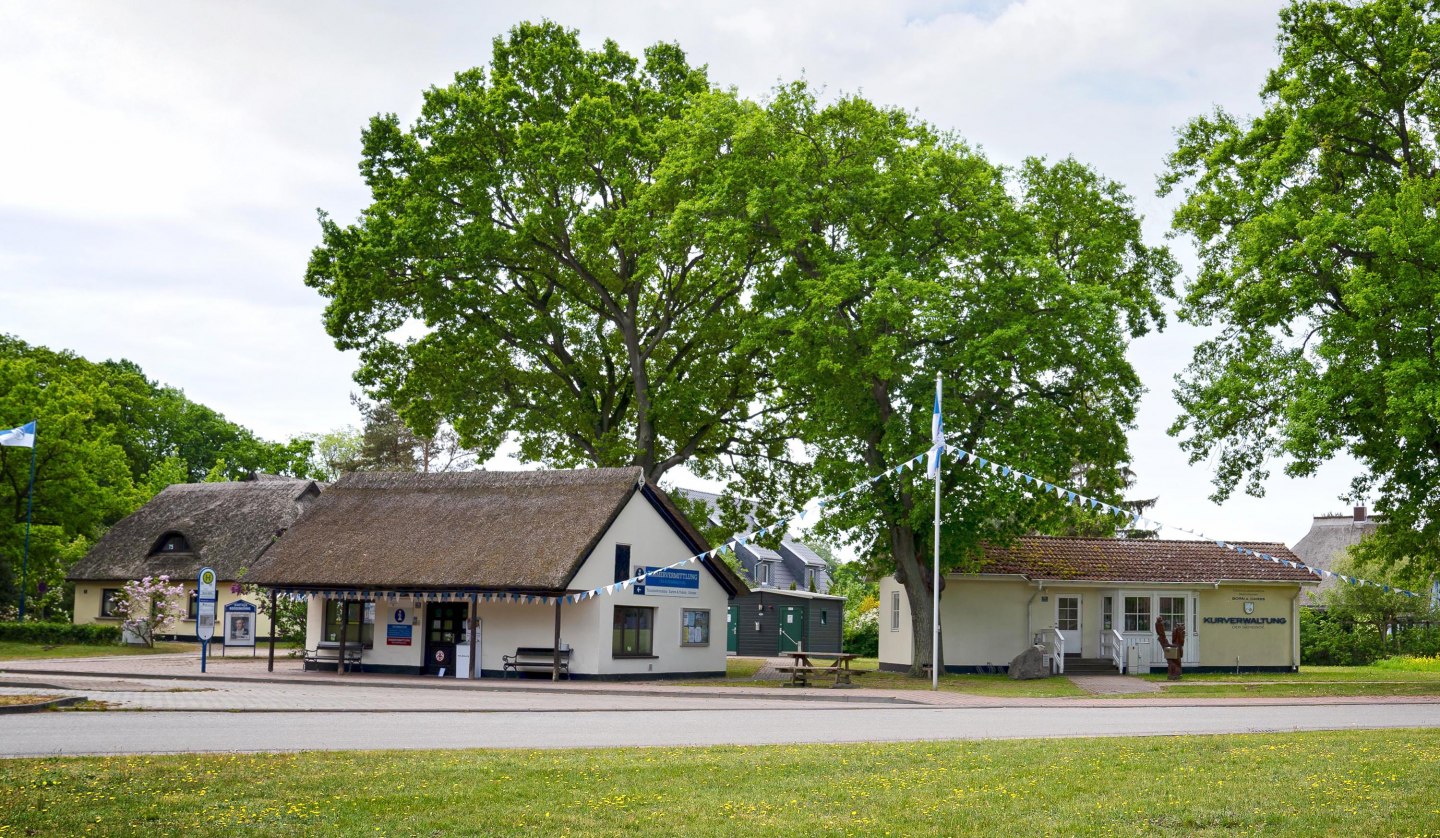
(589, 626)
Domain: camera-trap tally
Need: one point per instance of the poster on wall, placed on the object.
(239, 624)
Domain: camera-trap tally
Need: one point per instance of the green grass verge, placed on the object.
(1331, 783)
(740, 673)
(10, 650)
(18, 700)
(1311, 674)
(1338, 689)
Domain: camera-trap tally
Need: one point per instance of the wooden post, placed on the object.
(344, 629)
(474, 664)
(271, 665)
(555, 666)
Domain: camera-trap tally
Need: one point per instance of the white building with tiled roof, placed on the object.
(1094, 602)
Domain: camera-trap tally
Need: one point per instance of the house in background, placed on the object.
(1098, 599)
(794, 564)
(416, 570)
(187, 526)
(1329, 541)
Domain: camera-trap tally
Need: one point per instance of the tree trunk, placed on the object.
(915, 577)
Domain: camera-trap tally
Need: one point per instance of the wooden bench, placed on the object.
(528, 658)
(326, 653)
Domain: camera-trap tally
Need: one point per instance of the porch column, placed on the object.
(270, 666)
(344, 630)
(555, 665)
(474, 664)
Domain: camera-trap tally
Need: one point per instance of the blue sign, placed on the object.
(399, 615)
(670, 582)
(398, 635)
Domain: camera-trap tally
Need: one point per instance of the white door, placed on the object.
(1178, 609)
(1067, 622)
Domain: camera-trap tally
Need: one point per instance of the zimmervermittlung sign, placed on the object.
(670, 582)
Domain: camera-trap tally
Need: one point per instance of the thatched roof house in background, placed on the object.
(1328, 542)
(187, 526)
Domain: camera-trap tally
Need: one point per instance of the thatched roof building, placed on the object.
(1328, 542)
(227, 526)
(525, 531)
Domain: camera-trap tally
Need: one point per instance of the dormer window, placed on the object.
(762, 573)
(171, 542)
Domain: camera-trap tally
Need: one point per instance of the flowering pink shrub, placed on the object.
(150, 606)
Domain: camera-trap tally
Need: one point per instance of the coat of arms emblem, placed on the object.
(1249, 608)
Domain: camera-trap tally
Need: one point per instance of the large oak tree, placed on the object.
(1317, 229)
(905, 254)
(557, 252)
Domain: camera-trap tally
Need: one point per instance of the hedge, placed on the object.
(92, 634)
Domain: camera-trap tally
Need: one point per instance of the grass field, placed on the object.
(1400, 677)
(740, 672)
(10, 650)
(15, 700)
(1369, 783)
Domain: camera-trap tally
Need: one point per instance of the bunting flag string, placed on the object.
(1137, 520)
(780, 525)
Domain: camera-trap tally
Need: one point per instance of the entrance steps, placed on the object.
(1076, 665)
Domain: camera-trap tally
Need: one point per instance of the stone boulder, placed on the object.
(1029, 665)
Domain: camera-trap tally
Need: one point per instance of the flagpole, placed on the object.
(935, 584)
(25, 559)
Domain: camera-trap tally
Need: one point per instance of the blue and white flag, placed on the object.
(937, 437)
(21, 437)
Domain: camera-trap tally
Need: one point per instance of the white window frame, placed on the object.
(894, 610)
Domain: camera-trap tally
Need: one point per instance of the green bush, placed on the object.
(92, 634)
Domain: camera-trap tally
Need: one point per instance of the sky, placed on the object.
(162, 163)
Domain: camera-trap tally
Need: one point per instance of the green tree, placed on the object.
(565, 228)
(82, 477)
(1319, 248)
(907, 254)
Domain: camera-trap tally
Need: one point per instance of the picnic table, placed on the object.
(807, 667)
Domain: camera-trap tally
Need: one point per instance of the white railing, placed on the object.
(1116, 643)
(1057, 652)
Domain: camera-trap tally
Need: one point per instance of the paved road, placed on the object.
(42, 734)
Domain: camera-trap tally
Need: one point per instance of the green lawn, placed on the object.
(10, 650)
(1322, 783)
(1376, 680)
(740, 673)
(15, 700)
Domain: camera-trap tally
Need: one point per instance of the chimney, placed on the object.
(1360, 516)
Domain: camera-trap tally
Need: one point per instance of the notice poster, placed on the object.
(239, 626)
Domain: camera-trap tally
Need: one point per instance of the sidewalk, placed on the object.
(172, 682)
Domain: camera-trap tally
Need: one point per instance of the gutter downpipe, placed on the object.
(1029, 636)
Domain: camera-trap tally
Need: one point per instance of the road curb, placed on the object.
(40, 707)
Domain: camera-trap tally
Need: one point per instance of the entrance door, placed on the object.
(732, 630)
(792, 627)
(1178, 610)
(1067, 622)
(444, 624)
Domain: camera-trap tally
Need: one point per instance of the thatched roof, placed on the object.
(227, 526)
(1329, 541)
(1140, 560)
(498, 530)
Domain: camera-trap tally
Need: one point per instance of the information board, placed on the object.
(205, 605)
(670, 582)
(239, 624)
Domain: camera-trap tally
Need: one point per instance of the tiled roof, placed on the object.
(1139, 560)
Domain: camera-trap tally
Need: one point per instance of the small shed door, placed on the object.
(732, 630)
(792, 627)
(444, 624)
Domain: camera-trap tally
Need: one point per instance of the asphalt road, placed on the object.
(47, 734)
